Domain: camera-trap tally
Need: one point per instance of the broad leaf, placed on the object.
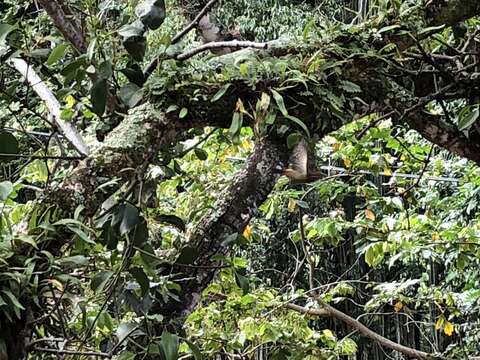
(8, 144)
(169, 345)
(98, 96)
(131, 217)
(6, 188)
(141, 278)
(57, 53)
(130, 94)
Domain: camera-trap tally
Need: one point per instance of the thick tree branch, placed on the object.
(235, 207)
(68, 27)
(446, 136)
(441, 12)
(234, 44)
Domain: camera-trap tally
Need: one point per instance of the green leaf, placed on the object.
(27, 239)
(130, 94)
(6, 188)
(74, 261)
(237, 121)
(57, 53)
(151, 13)
(220, 92)
(99, 281)
(13, 299)
(242, 282)
(183, 113)
(187, 255)
(135, 29)
(134, 74)
(124, 330)
(388, 28)
(127, 355)
(280, 103)
(201, 154)
(136, 47)
(5, 29)
(465, 122)
(8, 145)
(350, 87)
(73, 68)
(105, 69)
(140, 235)
(130, 219)
(98, 96)
(172, 220)
(299, 123)
(293, 139)
(142, 279)
(195, 350)
(81, 234)
(169, 345)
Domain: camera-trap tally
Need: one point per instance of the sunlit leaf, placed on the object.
(449, 328)
(220, 92)
(57, 53)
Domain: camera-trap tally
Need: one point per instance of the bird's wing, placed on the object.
(299, 159)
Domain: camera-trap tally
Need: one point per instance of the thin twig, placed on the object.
(72, 352)
(194, 22)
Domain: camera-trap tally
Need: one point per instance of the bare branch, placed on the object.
(66, 128)
(234, 44)
(71, 352)
(329, 311)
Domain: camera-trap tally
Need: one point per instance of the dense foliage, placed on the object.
(143, 213)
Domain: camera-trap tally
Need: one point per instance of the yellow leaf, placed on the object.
(348, 163)
(328, 333)
(440, 322)
(247, 232)
(369, 214)
(336, 146)
(247, 144)
(449, 328)
(57, 284)
(398, 306)
(292, 204)
(387, 171)
(70, 100)
(435, 236)
(240, 106)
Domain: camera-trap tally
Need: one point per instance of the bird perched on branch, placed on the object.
(302, 167)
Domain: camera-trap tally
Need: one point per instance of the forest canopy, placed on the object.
(250, 179)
